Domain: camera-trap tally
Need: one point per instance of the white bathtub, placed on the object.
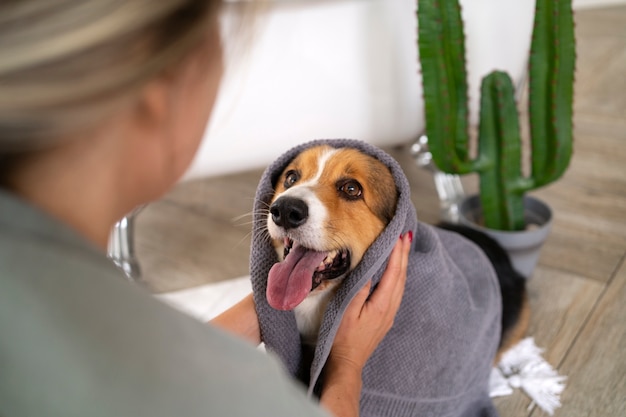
(343, 68)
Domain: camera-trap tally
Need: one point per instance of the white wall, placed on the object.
(586, 4)
(323, 69)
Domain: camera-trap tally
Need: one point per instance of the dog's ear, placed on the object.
(384, 189)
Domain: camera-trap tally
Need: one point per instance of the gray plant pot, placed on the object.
(524, 246)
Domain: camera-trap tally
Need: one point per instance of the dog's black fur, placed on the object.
(512, 283)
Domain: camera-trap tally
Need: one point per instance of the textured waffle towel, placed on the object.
(437, 358)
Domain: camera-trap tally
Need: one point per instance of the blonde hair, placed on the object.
(67, 64)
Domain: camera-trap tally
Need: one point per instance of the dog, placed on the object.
(329, 205)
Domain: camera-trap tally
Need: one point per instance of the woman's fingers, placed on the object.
(363, 326)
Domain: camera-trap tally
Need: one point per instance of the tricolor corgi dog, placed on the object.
(329, 205)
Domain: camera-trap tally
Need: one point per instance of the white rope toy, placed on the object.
(523, 367)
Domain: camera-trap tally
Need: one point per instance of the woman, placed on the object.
(102, 106)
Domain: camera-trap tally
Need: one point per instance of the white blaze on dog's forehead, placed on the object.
(321, 166)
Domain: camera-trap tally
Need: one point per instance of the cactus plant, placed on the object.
(499, 156)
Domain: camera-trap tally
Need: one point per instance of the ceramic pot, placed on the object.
(523, 246)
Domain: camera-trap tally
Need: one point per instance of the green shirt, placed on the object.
(78, 339)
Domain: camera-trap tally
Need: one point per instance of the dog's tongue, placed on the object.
(290, 281)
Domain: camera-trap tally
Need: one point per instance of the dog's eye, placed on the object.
(351, 189)
(290, 178)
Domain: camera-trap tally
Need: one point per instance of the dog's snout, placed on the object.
(289, 212)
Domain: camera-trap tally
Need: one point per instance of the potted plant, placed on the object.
(502, 208)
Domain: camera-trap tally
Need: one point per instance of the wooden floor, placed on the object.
(578, 292)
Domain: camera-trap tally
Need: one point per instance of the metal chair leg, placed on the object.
(449, 187)
(121, 248)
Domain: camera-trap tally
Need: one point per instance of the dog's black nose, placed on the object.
(289, 212)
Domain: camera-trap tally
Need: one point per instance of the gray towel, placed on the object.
(437, 358)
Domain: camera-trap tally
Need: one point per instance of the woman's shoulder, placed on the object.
(82, 340)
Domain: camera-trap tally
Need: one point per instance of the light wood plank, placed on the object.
(596, 363)
(560, 303)
(228, 196)
(598, 164)
(588, 236)
(182, 248)
(594, 55)
(514, 405)
(601, 21)
(597, 95)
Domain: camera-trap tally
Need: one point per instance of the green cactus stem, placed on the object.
(551, 90)
(498, 162)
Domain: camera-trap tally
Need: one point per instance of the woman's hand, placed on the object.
(363, 326)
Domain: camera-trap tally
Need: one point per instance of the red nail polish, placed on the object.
(410, 236)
